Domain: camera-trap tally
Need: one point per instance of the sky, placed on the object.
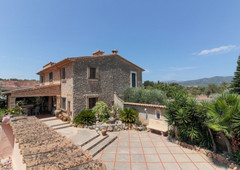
(171, 40)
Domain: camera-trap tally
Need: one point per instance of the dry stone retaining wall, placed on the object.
(43, 148)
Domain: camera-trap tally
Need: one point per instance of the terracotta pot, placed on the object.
(64, 119)
(104, 132)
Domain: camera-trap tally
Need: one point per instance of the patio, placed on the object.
(144, 150)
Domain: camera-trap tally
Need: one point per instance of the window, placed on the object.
(50, 77)
(41, 79)
(63, 73)
(133, 79)
(92, 73)
(92, 102)
(64, 103)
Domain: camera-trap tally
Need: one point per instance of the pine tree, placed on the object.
(235, 85)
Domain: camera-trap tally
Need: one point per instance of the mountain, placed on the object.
(205, 81)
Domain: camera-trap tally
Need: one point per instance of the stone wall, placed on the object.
(67, 87)
(56, 77)
(113, 75)
(149, 113)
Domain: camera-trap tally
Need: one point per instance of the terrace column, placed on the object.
(49, 103)
(11, 102)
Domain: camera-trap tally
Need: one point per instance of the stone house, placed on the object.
(77, 83)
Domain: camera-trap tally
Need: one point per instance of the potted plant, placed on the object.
(104, 132)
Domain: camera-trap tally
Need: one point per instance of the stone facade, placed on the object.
(113, 75)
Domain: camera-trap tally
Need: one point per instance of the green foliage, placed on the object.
(236, 121)
(139, 95)
(237, 157)
(102, 110)
(16, 110)
(129, 115)
(168, 88)
(138, 122)
(85, 117)
(188, 116)
(2, 113)
(235, 85)
(223, 113)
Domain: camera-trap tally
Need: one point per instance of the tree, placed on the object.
(235, 85)
(212, 88)
(148, 83)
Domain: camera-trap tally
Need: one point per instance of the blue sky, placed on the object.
(172, 40)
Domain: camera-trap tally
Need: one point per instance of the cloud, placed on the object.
(147, 71)
(181, 68)
(217, 50)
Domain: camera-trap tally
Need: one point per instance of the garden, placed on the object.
(102, 119)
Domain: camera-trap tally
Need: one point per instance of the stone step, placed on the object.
(94, 142)
(100, 146)
(90, 140)
(62, 126)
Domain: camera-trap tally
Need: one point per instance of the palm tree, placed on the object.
(220, 113)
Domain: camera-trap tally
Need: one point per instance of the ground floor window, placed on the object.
(92, 102)
(64, 103)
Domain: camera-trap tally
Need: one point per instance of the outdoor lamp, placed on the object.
(146, 113)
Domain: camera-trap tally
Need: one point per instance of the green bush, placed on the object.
(148, 96)
(237, 156)
(138, 122)
(129, 115)
(102, 110)
(85, 117)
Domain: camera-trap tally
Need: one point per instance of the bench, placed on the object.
(158, 125)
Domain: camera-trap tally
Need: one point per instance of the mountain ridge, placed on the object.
(205, 81)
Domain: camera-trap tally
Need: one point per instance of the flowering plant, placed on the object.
(6, 119)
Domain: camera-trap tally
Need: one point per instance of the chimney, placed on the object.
(114, 51)
(98, 52)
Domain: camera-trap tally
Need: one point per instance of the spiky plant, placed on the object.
(220, 114)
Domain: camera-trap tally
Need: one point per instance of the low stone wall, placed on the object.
(220, 158)
(150, 109)
(41, 147)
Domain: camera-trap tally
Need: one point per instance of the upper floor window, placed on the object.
(63, 73)
(41, 79)
(133, 78)
(92, 73)
(50, 76)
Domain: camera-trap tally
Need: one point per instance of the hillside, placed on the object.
(205, 81)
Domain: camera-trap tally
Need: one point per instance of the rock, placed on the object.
(232, 165)
(110, 128)
(210, 154)
(140, 128)
(220, 158)
(203, 151)
(118, 122)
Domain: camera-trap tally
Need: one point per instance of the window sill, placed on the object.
(92, 80)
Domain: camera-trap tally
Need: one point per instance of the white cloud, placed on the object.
(217, 50)
(147, 71)
(181, 68)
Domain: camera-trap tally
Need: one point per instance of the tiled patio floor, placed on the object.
(144, 150)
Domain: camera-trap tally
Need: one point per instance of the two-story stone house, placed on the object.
(77, 83)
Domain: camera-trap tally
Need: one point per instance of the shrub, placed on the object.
(129, 115)
(138, 122)
(237, 157)
(102, 110)
(148, 96)
(85, 117)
